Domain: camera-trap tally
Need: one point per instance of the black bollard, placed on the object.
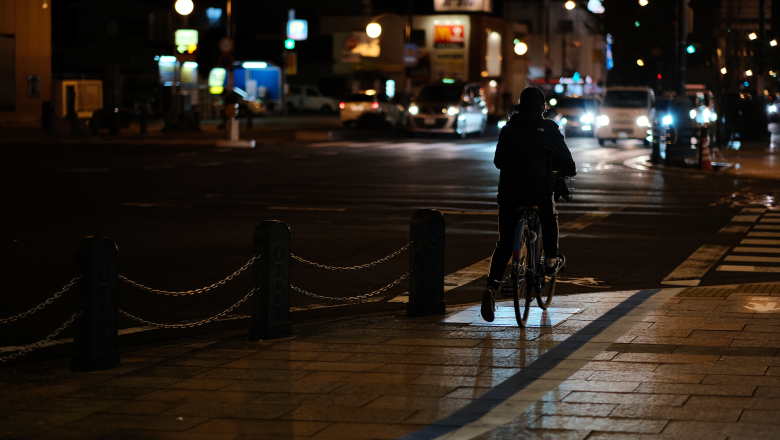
(95, 123)
(95, 340)
(113, 123)
(143, 121)
(271, 276)
(426, 262)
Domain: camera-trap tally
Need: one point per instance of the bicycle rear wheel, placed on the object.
(544, 293)
(521, 294)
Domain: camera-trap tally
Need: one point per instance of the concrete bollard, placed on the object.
(426, 262)
(271, 276)
(95, 340)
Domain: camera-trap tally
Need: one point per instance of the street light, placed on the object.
(773, 43)
(373, 30)
(752, 36)
(642, 2)
(640, 62)
(723, 71)
(184, 7)
(521, 48)
(748, 73)
(570, 5)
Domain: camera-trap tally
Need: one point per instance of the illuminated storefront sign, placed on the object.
(449, 36)
(297, 30)
(463, 5)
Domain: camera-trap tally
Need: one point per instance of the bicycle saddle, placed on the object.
(528, 208)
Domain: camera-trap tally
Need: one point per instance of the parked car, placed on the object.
(575, 115)
(309, 98)
(625, 114)
(457, 108)
(372, 107)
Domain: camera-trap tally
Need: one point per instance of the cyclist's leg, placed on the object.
(508, 216)
(549, 219)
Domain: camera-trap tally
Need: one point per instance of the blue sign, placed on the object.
(410, 54)
(297, 30)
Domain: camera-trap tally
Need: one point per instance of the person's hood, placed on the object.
(523, 119)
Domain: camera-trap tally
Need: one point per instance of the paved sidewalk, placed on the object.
(693, 363)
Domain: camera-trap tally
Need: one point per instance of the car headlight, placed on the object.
(772, 108)
(453, 111)
(642, 121)
(586, 118)
(693, 114)
(602, 120)
(713, 116)
(501, 123)
(484, 111)
(706, 114)
(667, 120)
(564, 121)
(413, 109)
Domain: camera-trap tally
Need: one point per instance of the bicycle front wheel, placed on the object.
(521, 293)
(544, 292)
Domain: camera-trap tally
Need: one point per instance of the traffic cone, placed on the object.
(706, 160)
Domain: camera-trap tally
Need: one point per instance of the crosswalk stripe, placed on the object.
(731, 268)
(753, 210)
(697, 264)
(751, 258)
(772, 214)
(754, 241)
(770, 220)
(763, 234)
(760, 250)
(744, 219)
(776, 227)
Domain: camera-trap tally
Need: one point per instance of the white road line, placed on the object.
(456, 279)
(764, 234)
(587, 220)
(760, 250)
(730, 268)
(772, 214)
(291, 208)
(775, 227)
(753, 210)
(744, 219)
(734, 229)
(753, 259)
(769, 220)
(514, 406)
(754, 241)
(696, 265)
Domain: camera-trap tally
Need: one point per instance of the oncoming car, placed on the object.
(575, 116)
(365, 106)
(625, 114)
(457, 108)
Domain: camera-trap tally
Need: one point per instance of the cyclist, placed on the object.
(529, 149)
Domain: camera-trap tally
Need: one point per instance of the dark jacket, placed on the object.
(529, 149)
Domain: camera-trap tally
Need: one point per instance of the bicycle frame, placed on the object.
(530, 218)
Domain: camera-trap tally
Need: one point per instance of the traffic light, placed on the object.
(289, 44)
(691, 49)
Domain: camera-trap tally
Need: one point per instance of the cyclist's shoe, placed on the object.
(553, 265)
(488, 304)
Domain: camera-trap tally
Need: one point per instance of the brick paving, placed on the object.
(628, 365)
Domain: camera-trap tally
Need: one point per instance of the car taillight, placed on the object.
(374, 105)
(342, 105)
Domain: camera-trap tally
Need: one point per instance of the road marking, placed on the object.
(696, 265)
(291, 208)
(587, 220)
(744, 219)
(766, 227)
(495, 409)
(753, 210)
(753, 241)
(772, 214)
(769, 220)
(733, 229)
(762, 304)
(767, 250)
(731, 268)
(456, 279)
(755, 259)
(764, 234)
(470, 212)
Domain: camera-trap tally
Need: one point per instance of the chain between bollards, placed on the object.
(42, 342)
(43, 304)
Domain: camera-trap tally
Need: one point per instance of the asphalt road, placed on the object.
(183, 216)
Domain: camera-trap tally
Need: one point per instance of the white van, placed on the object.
(625, 114)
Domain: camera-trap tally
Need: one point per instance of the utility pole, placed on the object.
(761, 47)
(682, 42)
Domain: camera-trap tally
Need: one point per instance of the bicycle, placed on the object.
(527, 275)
